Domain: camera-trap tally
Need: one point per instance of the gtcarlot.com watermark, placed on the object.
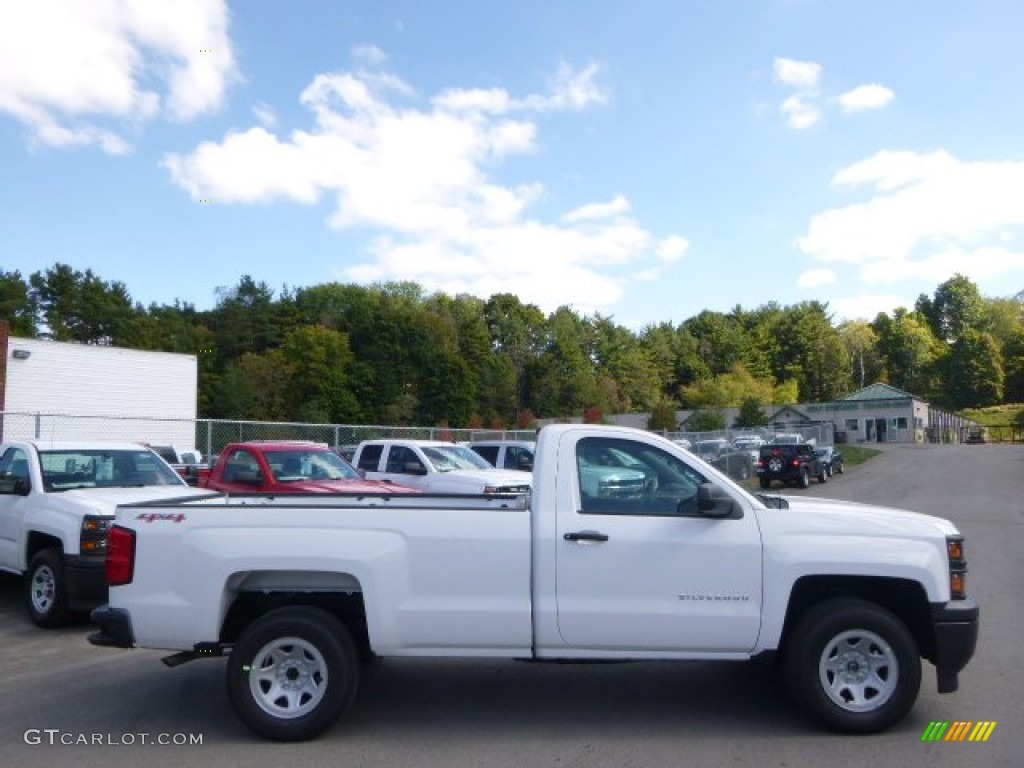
(55, 737)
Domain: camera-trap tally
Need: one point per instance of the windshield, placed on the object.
(445, 458)
(298, 464)
(104, 468)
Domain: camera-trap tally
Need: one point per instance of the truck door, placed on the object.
(638, 567)
(14, 469)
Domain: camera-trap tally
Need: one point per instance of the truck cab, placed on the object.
(289, 466)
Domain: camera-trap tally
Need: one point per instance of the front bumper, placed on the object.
(115, 628)
(956, 636)
(86, 581)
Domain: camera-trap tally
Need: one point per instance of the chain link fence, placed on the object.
(209, 436)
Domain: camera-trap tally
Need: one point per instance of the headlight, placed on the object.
(957, 567)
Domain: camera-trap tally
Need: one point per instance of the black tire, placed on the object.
(46, 590)
(823, 475)
(852, 666)
(765, 483)
(840, 468)
(805, 478)
(302, 647)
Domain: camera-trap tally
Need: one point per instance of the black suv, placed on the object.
(791, 464)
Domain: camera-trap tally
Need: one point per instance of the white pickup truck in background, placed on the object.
(434, 466)
(56, 502)
(848, 598)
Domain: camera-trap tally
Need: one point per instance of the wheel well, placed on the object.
(346, 606)
(904, 598)
(37, 542)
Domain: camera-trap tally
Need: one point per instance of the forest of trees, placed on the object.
(393, 354)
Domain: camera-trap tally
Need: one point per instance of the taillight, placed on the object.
(120, 556)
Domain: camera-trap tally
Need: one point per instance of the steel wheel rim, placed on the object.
(43, 589)
(858, 670)
(288, 677)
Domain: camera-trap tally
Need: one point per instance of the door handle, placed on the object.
(586, 536)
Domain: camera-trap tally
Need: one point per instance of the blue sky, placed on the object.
(645, 160)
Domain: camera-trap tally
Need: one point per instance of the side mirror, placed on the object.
(712, 501)
(12, 485)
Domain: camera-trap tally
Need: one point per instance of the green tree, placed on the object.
(974, 371)
(956, 307)
(317, 360)
(16, 304)
(751, 414)
(663, 417)
(516, 331)
(911, 353)
(728, 389)
(861, 344)
(706, 420)
(80, 306)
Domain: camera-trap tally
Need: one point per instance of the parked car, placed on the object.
(434, 466)
(831, 458)
(288, 466)
(57, 501)
(787, 438)
(505, 454)
(709, 450)
(976, 435)
(736, 463)
(296, 593)
(791, 464)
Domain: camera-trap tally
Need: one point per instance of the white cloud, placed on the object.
(370, 55)
(265, 114)
(421, 178)
(800, 113)
(598, 210)
(926, 216)
(816, 278)
(805, 105)
(797, 74)
(68, 68)
(865, 97)
(866, 306)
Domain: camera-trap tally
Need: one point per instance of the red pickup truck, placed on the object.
(288, 467)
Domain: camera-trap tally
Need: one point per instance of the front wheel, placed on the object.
(852, 666)
(805, 478)
(293, 673)
(46, 590)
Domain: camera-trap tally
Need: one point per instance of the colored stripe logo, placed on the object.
(959, 730)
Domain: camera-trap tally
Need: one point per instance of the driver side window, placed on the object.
(625, 477)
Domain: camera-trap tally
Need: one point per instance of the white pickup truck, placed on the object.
(434, 466)
(847, 597)
(56, 503)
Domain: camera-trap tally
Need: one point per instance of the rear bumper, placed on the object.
(85, 581)
(115, 628)
(956, 636)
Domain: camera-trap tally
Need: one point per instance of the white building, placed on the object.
(55, 390)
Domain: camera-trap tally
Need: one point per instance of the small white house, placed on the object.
(56, 390)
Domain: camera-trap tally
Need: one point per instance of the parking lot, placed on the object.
(67, 703)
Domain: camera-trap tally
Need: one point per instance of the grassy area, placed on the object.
(856, 454)
(997, 415)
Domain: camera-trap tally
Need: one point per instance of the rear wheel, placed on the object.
(805, 478)
(823, 474)
(293, 673)
(853, 666)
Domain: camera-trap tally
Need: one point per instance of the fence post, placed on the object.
(39, 425)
